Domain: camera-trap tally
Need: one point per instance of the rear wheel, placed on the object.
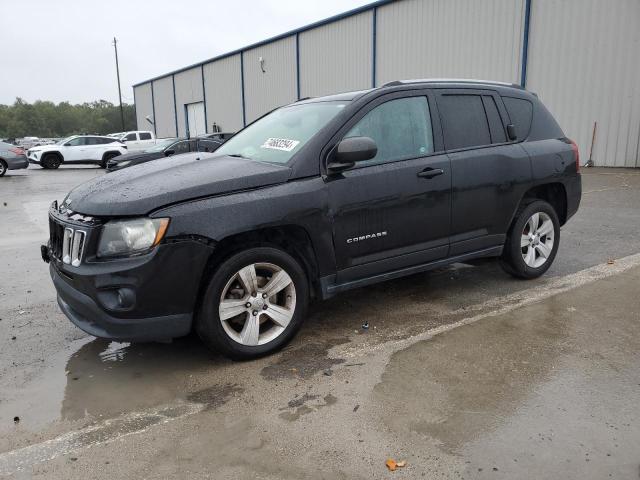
(51, 161)
(254, 303)
(533, 241)
(3, 168)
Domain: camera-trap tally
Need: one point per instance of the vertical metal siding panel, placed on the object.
(163, 101)
(337, 57)
(144, 106)
(188, 90)
(450, 38)
(586, 70)
(224, 95)
(277, 85)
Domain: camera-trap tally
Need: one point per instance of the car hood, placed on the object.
(139, 189)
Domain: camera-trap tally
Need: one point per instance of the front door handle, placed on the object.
(430, 172)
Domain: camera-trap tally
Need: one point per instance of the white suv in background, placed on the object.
(77, 149)
(138, 140)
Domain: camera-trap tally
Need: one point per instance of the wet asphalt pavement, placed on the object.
(463, 372)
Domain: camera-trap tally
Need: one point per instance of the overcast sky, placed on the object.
(62, 49)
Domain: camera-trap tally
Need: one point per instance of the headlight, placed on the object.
(121, 237)
(123, 164)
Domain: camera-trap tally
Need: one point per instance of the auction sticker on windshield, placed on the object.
(283, 144)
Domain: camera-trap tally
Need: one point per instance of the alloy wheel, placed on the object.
(257, 304)
(537, 240)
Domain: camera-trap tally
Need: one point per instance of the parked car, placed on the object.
(28, 142)
(315, 198)
(11, 158)
(164, 148)
(223, 136)
(77, 149)
(138, 140)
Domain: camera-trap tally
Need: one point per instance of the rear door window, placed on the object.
(464, 121)
(520, 113)
(401, 129)
(94, 141)
(145, 136)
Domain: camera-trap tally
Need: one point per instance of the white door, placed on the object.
(74, 150)
(195, 120)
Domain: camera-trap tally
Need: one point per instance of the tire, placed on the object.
(51, 161)
(528, 255)
(230, 333)
(107, 156)
(3, 168)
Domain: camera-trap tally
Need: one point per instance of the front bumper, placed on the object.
(143, 298)
(85, 314)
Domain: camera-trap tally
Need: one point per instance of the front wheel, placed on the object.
(533, 241)
(50, 161)
(254, 303)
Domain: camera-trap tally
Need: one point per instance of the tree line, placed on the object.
(46, 119)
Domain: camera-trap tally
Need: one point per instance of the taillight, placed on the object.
(576, 154)
(17, 151)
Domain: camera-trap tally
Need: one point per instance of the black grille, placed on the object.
(56, 234)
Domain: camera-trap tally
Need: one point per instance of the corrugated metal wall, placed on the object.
(337, 57)
(188, 90)
(449, 38)
(144, 106)
(277, 85)
(223, 93)
(163, 104)
(584, 63)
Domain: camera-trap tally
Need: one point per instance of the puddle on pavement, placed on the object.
(303, 362)
(103, 379)
(304, 405)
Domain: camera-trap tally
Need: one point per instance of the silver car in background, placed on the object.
(11, 158)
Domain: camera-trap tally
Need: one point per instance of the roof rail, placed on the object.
(451, 80)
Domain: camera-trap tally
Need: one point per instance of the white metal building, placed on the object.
(582, 57)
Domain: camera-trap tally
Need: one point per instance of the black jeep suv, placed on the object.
(315, 198)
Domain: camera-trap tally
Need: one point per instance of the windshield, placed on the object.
(161, 145)
(279, 135)
(65, 140)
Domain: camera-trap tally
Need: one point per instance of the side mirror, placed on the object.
(168, 153)
(511, 132)
(351, 150)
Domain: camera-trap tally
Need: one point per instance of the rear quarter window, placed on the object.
(520, 112)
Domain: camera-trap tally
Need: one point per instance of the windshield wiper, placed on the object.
(237, 155)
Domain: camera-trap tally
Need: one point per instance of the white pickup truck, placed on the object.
(137, 139)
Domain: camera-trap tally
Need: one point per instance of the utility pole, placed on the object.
(115, 47)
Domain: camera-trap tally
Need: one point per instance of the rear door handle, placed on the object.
(430, 172)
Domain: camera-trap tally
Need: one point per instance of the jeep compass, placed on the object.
(315, 198)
